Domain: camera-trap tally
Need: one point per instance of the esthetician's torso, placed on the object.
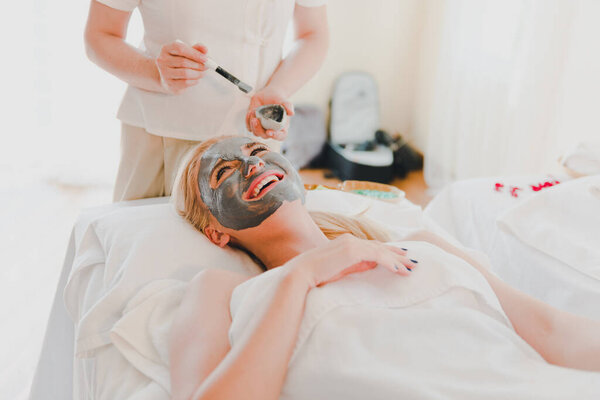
(243, 36)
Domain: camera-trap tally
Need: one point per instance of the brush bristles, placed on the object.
(244, 87)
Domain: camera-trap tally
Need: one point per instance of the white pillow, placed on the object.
(121, 252)
(583, 159)
(562, 221)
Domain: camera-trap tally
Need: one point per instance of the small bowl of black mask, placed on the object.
(272, 116)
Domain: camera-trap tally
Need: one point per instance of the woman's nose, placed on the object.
(253, 165)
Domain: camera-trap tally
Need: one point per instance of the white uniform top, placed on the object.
(245, 37)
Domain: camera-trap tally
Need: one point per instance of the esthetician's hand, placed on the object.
(347, 255)
(261, 98)
(180, 66)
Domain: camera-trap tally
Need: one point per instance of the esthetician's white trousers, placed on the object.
(149, 163)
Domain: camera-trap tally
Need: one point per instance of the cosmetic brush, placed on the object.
(211, 64)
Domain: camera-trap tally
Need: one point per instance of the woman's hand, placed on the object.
(180, 66)
(347, 255)
(261, 98)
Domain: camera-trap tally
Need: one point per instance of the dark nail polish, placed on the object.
(410, 269)
(415, 261)
(395, 267)
(402, 248)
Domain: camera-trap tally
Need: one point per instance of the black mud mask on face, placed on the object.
(242, 183)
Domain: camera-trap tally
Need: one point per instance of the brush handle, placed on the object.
(211, 64)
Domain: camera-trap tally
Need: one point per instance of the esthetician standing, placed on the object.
(172, 101)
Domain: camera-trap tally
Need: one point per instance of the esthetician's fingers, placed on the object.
(182, 62)
(201, 48)
(277, 135)
(184, 73)
(179, 62)
(250, 115)
(289, 107)
(257, 129)
(177, 86)
(178, 48)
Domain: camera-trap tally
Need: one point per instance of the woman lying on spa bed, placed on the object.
(432, 314)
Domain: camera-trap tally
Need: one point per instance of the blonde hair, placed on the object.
(188, 203)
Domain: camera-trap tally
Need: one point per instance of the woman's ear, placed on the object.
(217, 237)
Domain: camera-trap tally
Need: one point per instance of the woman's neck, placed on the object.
(284, 235)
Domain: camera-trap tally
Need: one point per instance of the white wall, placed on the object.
(578, 116)
(380, 37)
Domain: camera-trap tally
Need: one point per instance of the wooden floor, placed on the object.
(413, 185)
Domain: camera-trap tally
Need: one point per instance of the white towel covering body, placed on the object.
(437, 334)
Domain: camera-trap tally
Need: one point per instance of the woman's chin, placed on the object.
(284, 215)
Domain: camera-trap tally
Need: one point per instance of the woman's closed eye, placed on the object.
(258, 150)
(221, 171)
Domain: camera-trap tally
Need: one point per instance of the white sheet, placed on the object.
(136, 338)
(57, 375)
(562, 222)
(439, 333)
(468, 210)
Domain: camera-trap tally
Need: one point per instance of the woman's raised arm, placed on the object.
(560, 337)
(203, 366)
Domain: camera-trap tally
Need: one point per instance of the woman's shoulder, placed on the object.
(214, 283)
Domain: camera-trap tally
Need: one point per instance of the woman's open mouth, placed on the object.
(262, 185)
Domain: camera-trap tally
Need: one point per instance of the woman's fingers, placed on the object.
(411, 262)
(353, 269)
(348, 255)
(393, 258)
(396, 263)
(397, 250)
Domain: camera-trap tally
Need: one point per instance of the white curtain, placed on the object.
(505, 84)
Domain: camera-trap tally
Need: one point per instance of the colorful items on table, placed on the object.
(376, 193)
